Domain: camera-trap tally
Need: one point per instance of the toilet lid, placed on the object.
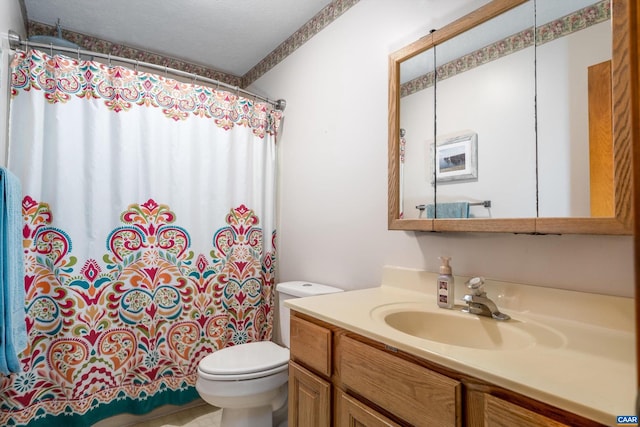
(245, 358)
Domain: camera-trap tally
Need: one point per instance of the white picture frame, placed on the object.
(455, 158)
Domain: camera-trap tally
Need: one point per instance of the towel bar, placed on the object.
(486, 204)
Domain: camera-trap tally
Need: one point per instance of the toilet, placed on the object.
(249, 381)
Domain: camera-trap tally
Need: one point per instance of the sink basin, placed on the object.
(453, 327)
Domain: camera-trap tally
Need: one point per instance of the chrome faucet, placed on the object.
(478, 303)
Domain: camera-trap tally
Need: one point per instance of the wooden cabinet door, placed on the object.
(309, 398)
(352, 413)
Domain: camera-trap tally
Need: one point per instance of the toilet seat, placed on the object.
(244, 362)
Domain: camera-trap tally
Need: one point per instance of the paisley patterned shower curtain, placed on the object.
(149, 230)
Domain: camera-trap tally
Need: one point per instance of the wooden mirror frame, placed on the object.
(624, 67)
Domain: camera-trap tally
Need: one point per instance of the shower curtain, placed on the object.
(148, 238)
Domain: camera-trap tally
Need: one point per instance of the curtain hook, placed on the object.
(109, 61)
(51, 48)
(136, 66)
(195, 77)
(78, 52)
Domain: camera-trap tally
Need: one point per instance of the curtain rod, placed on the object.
(15, 41)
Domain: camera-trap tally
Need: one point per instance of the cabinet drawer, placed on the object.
(311, 345)
(415, 394)
(498, 412)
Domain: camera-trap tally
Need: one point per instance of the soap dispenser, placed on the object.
(445, 289)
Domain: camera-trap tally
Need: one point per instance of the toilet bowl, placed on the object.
(249, 381)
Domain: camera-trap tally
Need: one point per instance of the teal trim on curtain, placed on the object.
(125, 406)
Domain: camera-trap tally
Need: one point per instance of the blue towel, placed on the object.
(13, 330)
(449, 210)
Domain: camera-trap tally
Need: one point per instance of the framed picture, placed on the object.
(455, 158)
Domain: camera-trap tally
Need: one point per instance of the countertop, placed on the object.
(589, 368)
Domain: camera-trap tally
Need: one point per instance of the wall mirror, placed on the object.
(514, 118)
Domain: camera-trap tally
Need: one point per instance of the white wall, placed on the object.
(333, 171)
(10, 19)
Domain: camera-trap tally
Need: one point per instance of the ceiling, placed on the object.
(230, 36)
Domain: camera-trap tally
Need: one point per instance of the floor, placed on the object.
(199, 416)
(195, 414)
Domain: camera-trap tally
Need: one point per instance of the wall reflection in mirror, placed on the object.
(504, 121)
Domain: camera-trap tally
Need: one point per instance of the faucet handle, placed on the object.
(476, 285)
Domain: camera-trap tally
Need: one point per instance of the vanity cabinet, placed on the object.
(339, 378)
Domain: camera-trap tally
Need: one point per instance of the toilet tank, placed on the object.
(295, 289)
